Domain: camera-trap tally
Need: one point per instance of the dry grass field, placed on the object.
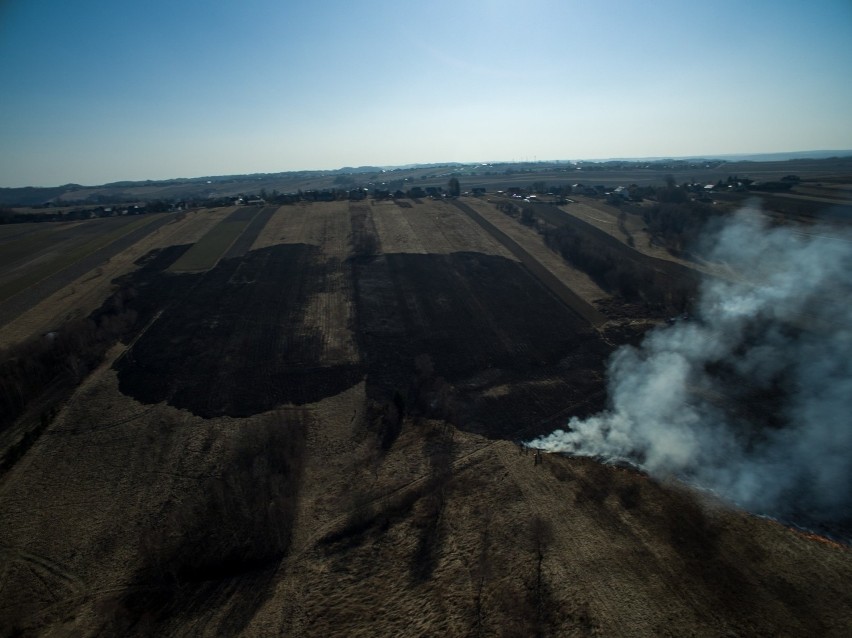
(310, 429)
(78, 294)
(48, 259)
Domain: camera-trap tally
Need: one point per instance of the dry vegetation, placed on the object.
(533, 243)
(309, 438)
(84, 294)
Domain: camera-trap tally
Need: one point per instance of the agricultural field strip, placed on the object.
(336, 233)
(246, 240)
(194, 225)
(28, 260)
(529, 239)
(460, 233)
(606, 218)
(538, 271)
(208, 250)
(299, 224)
(606, 221)
(330, 311)
(841, 200)
(75, 265)
(84, 294)
(49, 238)
(559, 217)
(322, 224)
(325, 225)
(332, 234)
(395, 230)
(11, 232)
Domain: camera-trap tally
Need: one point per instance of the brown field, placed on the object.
(27, 260)
(532, 242)
(77, 293)
(311, 432)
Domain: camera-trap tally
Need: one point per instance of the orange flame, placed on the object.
(820, 539)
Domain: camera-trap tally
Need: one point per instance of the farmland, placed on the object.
(43, 261)
(305, 421)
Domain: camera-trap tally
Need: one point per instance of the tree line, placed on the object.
(63, 357)
(634, 281)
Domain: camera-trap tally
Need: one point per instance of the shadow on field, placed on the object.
(220, 544)
(440, 452)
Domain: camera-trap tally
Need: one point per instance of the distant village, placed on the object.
(534, 192)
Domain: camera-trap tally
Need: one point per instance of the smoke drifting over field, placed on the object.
(692, 400)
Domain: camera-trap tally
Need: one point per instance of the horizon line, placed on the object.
(826, 154)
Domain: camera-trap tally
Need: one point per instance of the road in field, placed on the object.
(537, 270)
(39, 282)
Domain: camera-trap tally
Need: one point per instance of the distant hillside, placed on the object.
(34, 195)
(781, 157)
(807, 164)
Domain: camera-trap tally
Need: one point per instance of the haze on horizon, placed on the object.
(95, 92)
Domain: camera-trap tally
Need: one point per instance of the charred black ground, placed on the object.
(485, 323)
(233, 341)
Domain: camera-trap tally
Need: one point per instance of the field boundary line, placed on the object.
(538, 271)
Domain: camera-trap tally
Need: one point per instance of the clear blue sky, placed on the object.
(98, 91)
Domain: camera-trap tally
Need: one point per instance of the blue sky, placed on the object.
(99, 91)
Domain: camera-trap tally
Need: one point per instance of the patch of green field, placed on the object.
(207, 251)
(65, 247)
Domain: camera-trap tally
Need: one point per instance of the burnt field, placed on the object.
(485, 323)
(293, 421)
(234, 341)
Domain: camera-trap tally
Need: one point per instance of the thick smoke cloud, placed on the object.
(778, 327)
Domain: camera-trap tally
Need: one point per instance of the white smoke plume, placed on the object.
(780, 325)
